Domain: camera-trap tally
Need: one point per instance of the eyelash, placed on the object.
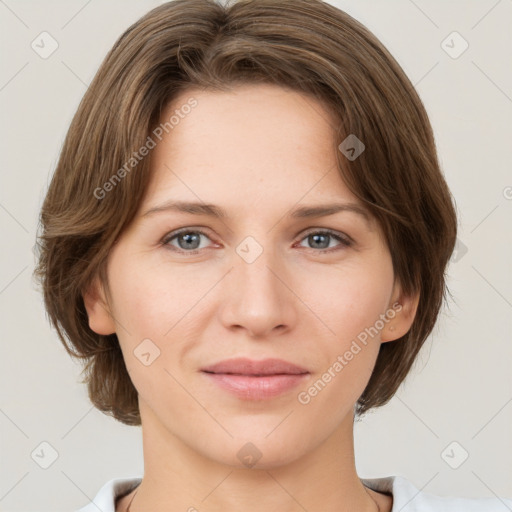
(344, 242)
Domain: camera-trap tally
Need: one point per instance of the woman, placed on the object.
(245, 239)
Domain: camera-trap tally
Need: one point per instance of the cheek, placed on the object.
(158, 309)
(346, 357)
(149, 308)
(353, 300)
(145, 294)
(350, 299)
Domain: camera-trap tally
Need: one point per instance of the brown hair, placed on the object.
(306, 45)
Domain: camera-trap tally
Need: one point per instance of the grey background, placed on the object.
(461, 387)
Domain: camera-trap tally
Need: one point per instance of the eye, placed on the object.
(320, 240)
(187, 239)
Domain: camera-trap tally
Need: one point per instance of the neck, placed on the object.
(177, 477)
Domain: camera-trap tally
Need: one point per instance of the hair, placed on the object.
(307, 46)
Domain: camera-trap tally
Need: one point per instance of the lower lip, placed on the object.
(250, 387)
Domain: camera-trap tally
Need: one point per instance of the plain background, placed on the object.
(460, 389)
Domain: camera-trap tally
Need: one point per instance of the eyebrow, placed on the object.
(211, 210)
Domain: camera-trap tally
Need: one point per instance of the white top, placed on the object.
(406, 497)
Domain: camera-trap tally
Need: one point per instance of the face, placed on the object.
(267, 279)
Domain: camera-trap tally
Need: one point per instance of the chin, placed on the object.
(254, 450)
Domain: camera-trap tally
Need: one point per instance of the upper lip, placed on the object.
(244, 366)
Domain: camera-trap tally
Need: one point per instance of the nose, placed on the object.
(258, 297)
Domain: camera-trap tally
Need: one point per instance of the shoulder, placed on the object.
(408, 498)
(105, 499)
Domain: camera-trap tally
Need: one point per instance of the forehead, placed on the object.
(249, 117)
(253, 146)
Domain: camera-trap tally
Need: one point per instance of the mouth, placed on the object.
(255, 380)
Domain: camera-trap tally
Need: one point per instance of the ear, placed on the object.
(98, 311)
(404, 308)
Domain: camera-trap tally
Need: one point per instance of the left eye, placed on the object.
(189, 241)
(319, 237)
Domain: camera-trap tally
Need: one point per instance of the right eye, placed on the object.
(188, 240)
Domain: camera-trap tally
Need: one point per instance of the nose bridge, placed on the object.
(258, 300)
(257, 268)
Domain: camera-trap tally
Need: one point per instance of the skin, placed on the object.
(258, 151)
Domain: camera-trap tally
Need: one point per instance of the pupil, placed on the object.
(316, 237)
(190, 238)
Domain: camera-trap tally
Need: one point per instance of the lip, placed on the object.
(245, 366)
(255, 380)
